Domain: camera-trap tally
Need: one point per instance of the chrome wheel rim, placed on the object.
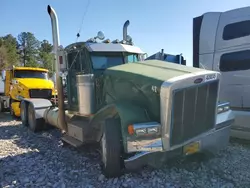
(104, 150)
(22, 113)
(30, 118)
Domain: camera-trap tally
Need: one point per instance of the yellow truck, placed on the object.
(24, 82)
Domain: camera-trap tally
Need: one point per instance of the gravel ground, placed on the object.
(41, 160)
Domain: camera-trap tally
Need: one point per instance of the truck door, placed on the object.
(7, 82)
(234, 65)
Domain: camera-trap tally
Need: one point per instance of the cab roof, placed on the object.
(30, 68)
(105, 47)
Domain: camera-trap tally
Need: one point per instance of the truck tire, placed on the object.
(111, 149)
(35, 125)
(1, 106)
(24, 113)
(12, 113)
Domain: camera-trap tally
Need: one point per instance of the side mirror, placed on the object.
(63, 74)
(3, 75)
(64, 82)
(144, 56)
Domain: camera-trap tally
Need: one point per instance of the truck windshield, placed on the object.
(106, 60)
(30, 74)
(131, 58)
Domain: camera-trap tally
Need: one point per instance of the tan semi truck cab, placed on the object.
(24, 82)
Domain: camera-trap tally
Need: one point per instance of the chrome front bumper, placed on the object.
(150, 150)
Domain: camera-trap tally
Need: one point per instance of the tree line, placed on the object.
(25, 50)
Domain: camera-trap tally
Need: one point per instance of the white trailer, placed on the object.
(1, 87)
(221, 42)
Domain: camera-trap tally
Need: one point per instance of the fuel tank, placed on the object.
(51, 116)
(86, 94)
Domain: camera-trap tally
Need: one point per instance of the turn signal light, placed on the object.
(131, 130)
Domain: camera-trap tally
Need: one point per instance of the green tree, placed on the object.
(46, 46)
(32, 62)
(28, 48)
(3, 57)
(9, 53)
(45, 55)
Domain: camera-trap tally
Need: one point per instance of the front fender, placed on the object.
(127, 112)
(19, 91)
(225, 119)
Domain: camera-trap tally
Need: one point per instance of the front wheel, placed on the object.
(111, 145)
(35, 125)
(23, 113)
(1, 106)
(12, 113)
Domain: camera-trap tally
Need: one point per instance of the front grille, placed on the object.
(193, 112)
(40, 93)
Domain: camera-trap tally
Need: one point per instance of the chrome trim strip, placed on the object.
(224, 124)
(144, 145)
(137, 156)
(222, 104)
(146, 125)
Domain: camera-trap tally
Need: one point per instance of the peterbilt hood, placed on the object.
(142, 83)
(153, 70)
(35, 83)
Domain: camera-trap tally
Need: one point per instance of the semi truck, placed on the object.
(221, 42)
(170, 58)
(24, 82)
(139, 112)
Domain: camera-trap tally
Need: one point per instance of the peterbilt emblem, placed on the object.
(198, 80)
(210, 77)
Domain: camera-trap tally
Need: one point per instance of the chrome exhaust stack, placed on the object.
(125, 30)
(56, 43)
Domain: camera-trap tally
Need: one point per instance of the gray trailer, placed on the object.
(221, 42)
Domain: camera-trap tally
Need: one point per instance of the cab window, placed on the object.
(131, 58)
(30, 74)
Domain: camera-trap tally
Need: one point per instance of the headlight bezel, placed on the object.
(144, 129)
(223, 107)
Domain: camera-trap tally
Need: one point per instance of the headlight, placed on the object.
(140, 132)
(144, 129)
(152, 130)
(223, 107)
(220, 109)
